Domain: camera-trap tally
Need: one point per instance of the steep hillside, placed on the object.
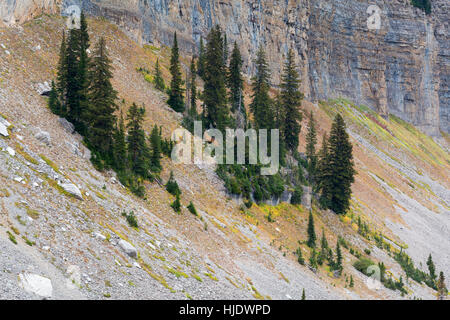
(228, 252)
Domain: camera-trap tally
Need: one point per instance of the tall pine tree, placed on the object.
(159, 81)
(201, 59)
(138, 150)
(311, 232)
(311, 141)
(262, 105)
(176, 98)
(341, 167)
(236, 86)
(120, 146)
(291, 99)
(102, 102)
(155, 148)
(216, 112)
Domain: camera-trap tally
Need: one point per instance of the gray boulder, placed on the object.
(128, 248)
(44, 137)
(72, 189)
(68, 126)
(36, 284)
(3, 130)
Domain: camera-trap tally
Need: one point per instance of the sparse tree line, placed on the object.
(83, 94)
(330, 171)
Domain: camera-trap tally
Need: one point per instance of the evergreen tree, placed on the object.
(172, 186)
(193, 91)
(176, 99)
(303, 294)
(352, 283)
(53, 101)
(300, 257)
(159, 81)
(201, 59)
(262, 105)
(225, 49)
(215, 93)
(341, 166)
(137, 148)
(235, 85)
(313, 259)
(102, 102)
(323, 248)
(338, 265)
(442, 289)
(73, 86)
(431, 267)
(291, 99)
(176, 205)
(311, 141)
(120, 146)
(155, 145)
(311, 232)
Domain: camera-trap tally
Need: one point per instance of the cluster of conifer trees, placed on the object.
(330, 171)
(84, 95)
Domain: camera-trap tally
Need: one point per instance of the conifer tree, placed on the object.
(225, 49)
(341, 166)
(300, 257)
(176, 205)
(137, 148)
(80, 118)
(53, 101)
(311, 141)
(235, 85)
(172, 185)
(201, 59)
(323, 175)
(352, 284)
(193, 90)
(311, 232)
(216, 110)
(155, 145)
(323, 248)
(73, 85)
(120, 146)
(291, 99)
(176, 99)
(262, 105)
(303, 294)
(313, 259)
(431, 267)
(159, 81)
(102, 102)
(442, 289)
(338, 266)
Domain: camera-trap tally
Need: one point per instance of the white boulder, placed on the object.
(72, 189)
(128, 248)
(36, 284)
(44, 137)
(3, 130)
(11, 151)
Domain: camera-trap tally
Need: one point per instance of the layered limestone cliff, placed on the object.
(402, 68)
(14, 12)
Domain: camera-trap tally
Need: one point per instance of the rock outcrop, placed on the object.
(402, 68)
(15, 12)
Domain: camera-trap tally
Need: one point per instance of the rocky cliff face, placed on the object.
(13, 12)
(402, 68)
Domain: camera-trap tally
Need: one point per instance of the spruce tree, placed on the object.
(53, 101)
(431, 267)
(172, 185)
(155, 146)
(341, 165)
(323, 248)
(193, 90)
(442, 289)
(324, 174)
(235, 85)
(352, 283)
(81, 118)
(216, 110)
(338, 266)
(176, 205)
(262, 105)
(159, 81)
(225, 49)
(138, 151)
(303, 294)
(102, 102)
(311, 141)
(176, 99)
(311, 232)
(300, 257)
(120, 146)
(73, 86)
(291, 99)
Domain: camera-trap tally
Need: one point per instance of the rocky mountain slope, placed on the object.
(61, 224)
